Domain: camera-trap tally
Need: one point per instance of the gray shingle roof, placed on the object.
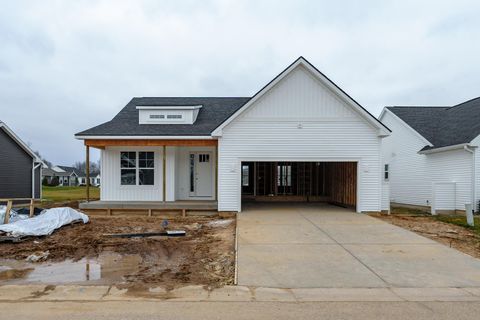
(69, 170)
(443, 126)
(214, 111)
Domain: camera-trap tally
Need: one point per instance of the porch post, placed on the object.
(164, 173)
(216, 172)
(87, 169)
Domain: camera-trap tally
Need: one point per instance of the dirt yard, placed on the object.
(205, 256)
(457, 237)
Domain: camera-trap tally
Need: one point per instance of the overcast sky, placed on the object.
(66, 66)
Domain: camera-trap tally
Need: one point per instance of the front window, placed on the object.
(284, 175)
(128, 171)
(192, 172)
(146, 169)
(245, 175)
(386, 172)
(137, 168)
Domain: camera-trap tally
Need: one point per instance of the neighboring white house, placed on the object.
(69, 176)
(300, 138)
(432, 155)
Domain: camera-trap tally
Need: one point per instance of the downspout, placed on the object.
(34, 167)
(473, 175)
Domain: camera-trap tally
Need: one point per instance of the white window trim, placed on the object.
(137, 168)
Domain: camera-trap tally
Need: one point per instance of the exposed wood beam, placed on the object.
(87, 169)
(102, 143)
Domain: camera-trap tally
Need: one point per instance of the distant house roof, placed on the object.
(69, 171)
(22, 144)
(47, 172)
(443, 126)
(126, 123)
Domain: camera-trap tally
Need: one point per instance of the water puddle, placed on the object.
(108, 268)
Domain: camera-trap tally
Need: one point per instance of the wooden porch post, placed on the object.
(87, 169)
(216, 173)
(164, 173)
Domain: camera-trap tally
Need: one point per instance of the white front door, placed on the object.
(201, 177)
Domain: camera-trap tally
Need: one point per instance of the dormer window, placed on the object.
(168, 114)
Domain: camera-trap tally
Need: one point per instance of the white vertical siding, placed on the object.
(300, 120)
(409, 183)
(170, 173)
(112, 190)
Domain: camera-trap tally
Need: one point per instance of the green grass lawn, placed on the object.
(460, 221)
(59, 194)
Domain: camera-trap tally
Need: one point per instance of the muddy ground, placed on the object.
(451, 235)
(205, 256)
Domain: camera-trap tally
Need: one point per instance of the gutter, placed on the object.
(34, 167)
(468, 149)
(447, 148)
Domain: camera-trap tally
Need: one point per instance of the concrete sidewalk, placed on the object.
(18, 293)
(312, 246)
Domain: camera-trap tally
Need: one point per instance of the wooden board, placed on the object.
(102, 143)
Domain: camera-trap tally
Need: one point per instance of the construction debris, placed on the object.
(43, 224)
(39, 256)
(172, 233)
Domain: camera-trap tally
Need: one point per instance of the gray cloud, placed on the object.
(67, 66)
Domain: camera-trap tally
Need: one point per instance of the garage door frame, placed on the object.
(301, 159)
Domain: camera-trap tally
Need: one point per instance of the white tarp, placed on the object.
(45, 223)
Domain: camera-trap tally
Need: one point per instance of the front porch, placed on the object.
(150, 208)
(157, 175)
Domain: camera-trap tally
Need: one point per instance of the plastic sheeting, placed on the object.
(45, 223)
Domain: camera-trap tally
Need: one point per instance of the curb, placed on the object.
(22, 293)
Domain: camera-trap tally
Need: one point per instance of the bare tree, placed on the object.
(94, 166)
(48, 163)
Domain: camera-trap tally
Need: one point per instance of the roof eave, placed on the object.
(172, 137)
(447, 148)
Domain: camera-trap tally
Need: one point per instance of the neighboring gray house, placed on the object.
(432, 157)
(70, 176)
(20, 167)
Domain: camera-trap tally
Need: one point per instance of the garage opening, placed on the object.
(331, 182)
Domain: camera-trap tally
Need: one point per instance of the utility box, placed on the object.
(469, 213)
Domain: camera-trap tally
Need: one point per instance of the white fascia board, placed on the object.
(447, 148)
(415, 132)
(169, 107)
(20, 142)
(382, 130)
(144, 137)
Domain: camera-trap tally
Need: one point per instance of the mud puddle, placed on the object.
(108, 268)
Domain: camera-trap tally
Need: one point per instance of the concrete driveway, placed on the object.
(323, 246)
